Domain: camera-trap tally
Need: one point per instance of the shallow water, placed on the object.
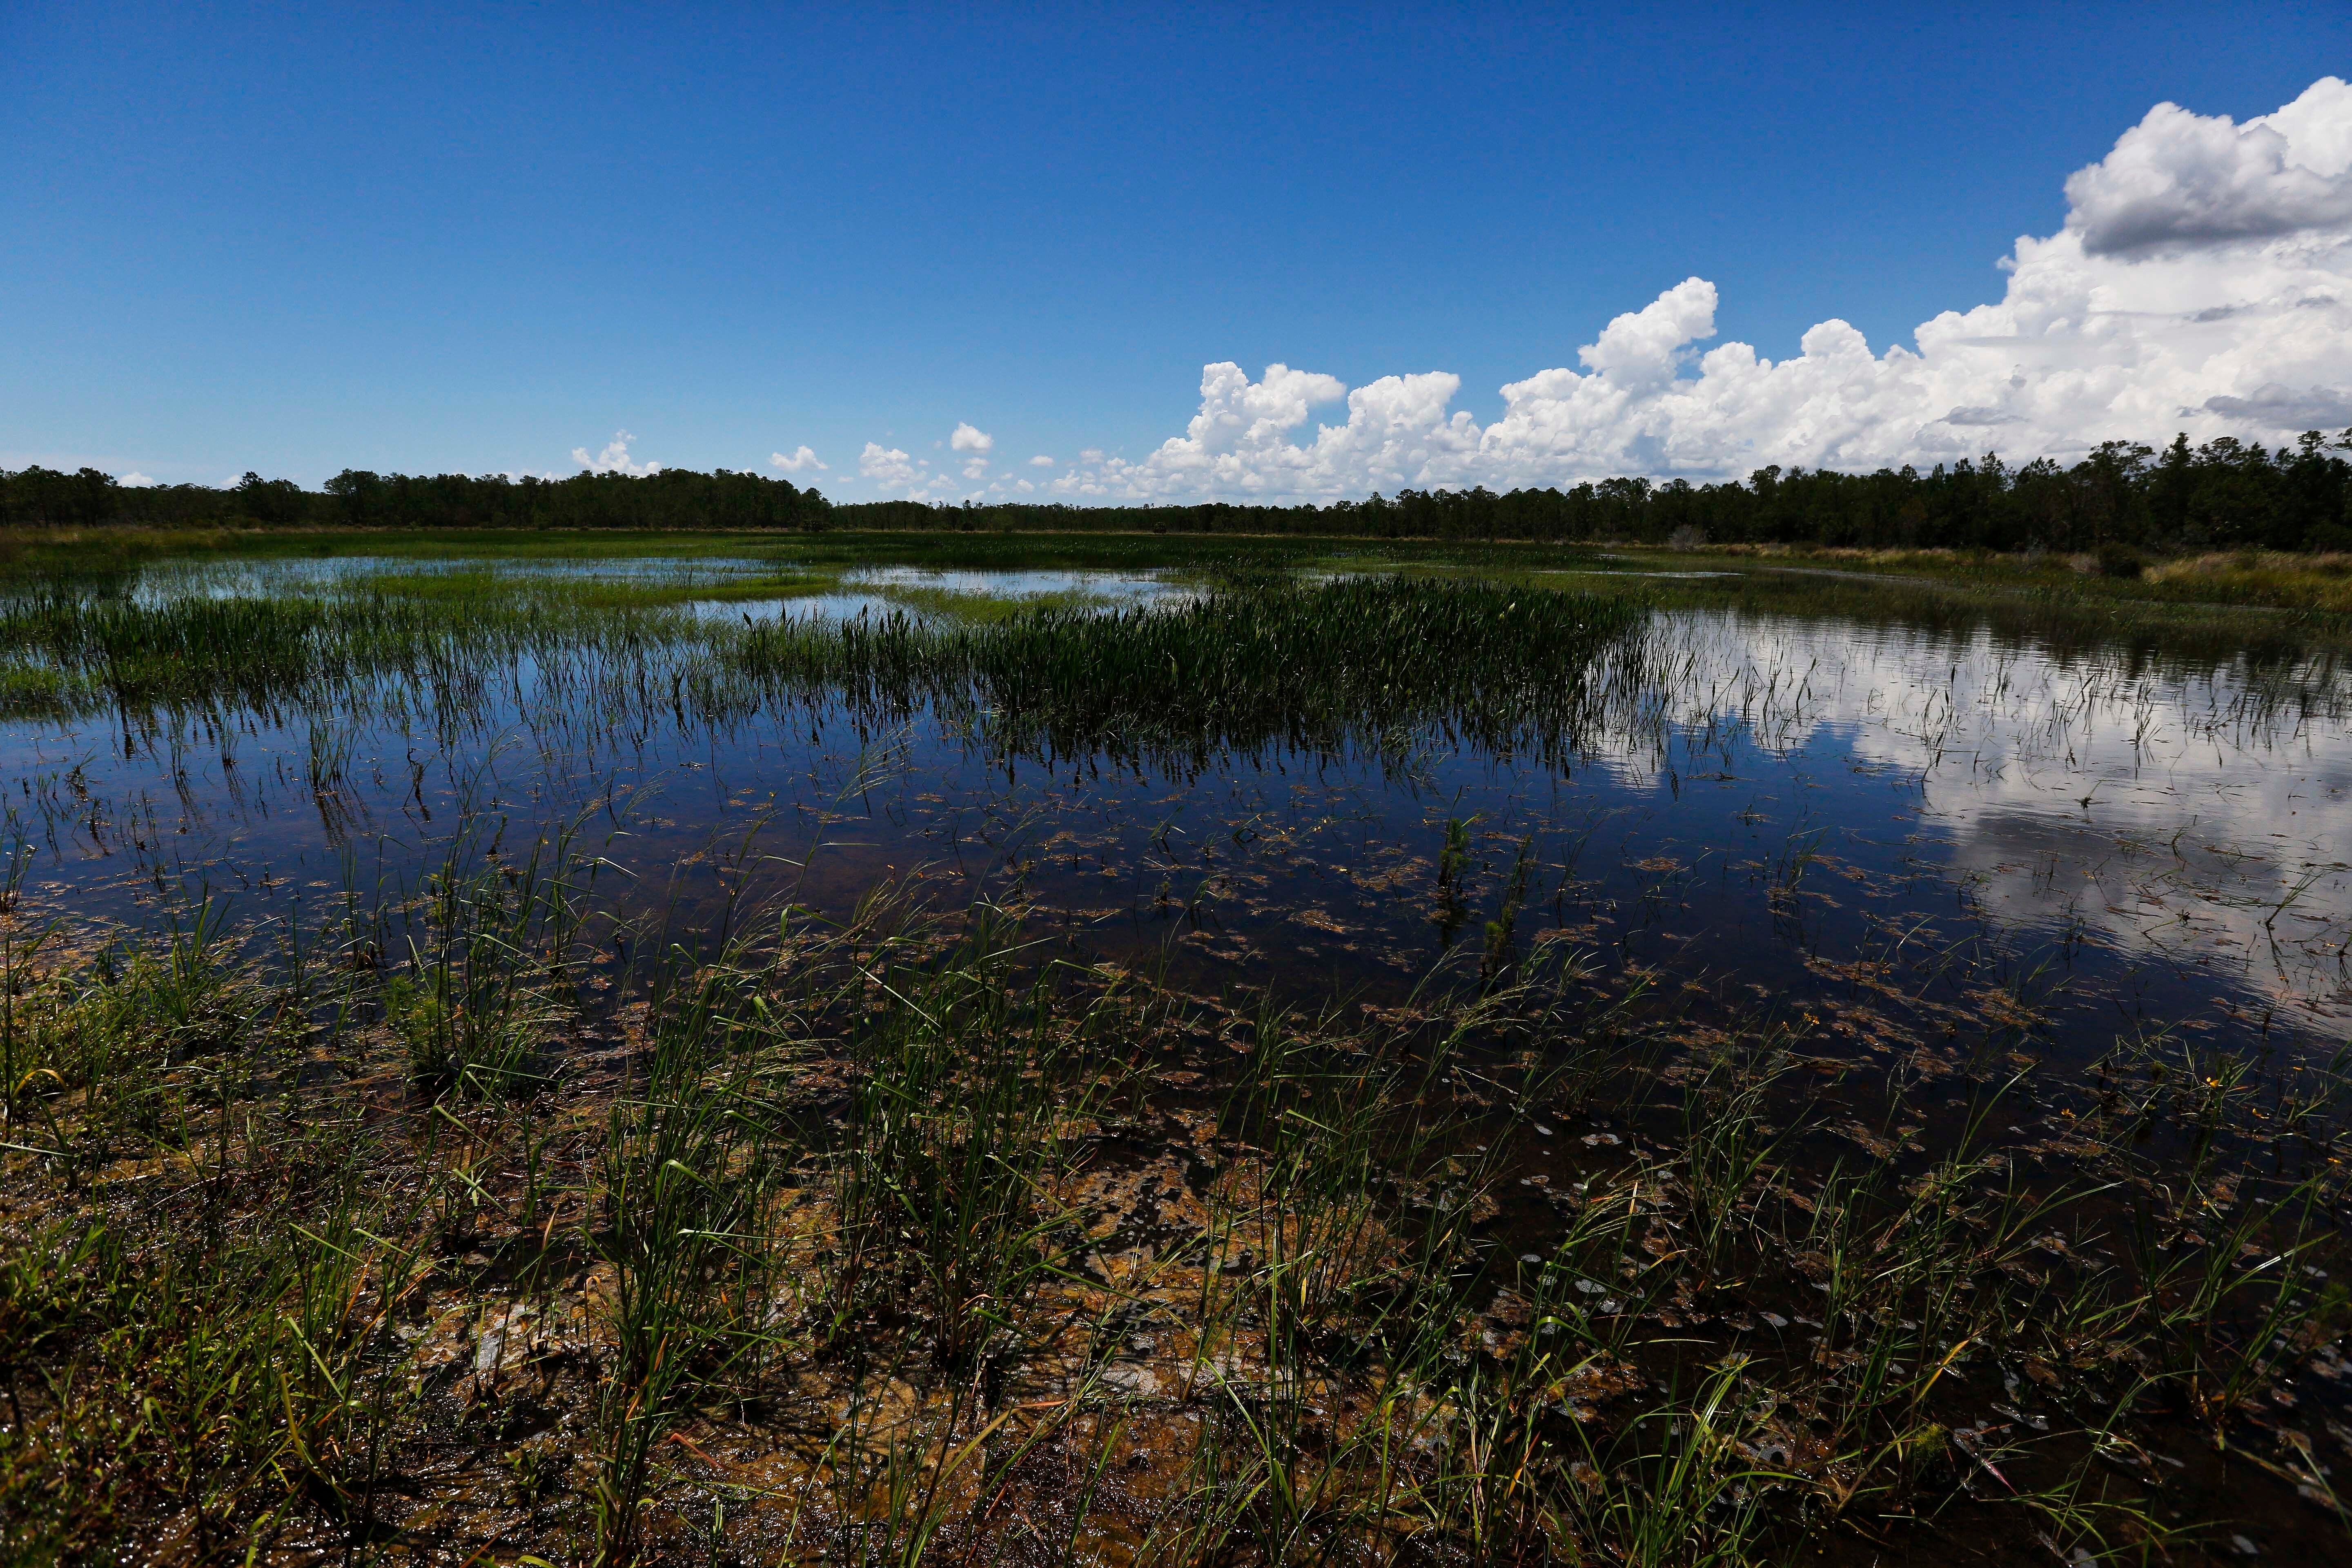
(1889, 835)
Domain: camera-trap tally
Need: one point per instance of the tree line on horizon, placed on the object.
(2225, 494)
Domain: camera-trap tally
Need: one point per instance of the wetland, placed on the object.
(757, 1048)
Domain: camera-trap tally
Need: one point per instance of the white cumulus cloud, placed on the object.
(2202, 282)
(613, 458)
(799, 462)
(2179, 178)
(1041, 461)
(967, 439)
(888, 467)
(133, 479)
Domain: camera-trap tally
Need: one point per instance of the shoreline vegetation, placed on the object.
(498, 1218)
(2191, 603)
(2117, 503)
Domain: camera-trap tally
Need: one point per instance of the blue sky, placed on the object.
(433, 238)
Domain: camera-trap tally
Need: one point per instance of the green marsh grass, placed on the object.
(1368, 662)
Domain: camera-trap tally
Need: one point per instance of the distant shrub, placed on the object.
(2121, 560)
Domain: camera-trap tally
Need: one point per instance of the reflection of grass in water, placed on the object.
(895, 1234)
(1349, 662)
(201, 651)
(1361, 661)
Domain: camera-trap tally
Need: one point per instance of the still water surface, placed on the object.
(1887, 835)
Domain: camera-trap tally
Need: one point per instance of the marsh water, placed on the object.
(1882, 832)
(1519, 943)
